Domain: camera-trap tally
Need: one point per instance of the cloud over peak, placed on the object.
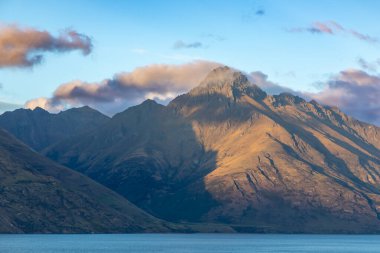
(355, 92)
(24, 47)
(272, 88)
(158, 81)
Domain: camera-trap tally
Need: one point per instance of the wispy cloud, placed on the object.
(334, 28)
(181, 44)
(369, 66)
(24, 47)
(253, 13)
(213, 36)
(210, 38)
(261, 80)
(159, 82)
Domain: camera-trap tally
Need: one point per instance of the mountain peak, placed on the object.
(38, 109)
(149, 102)
(228, 82)
(83, 109)
(224, 76)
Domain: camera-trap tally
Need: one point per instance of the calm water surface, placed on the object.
(188, 243)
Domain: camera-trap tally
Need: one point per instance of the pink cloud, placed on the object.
(333, 28)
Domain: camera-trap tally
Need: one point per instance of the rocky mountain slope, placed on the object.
(39, 128)
(39, 196)
(226, 152)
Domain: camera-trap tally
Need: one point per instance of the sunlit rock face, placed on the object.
(226, 152)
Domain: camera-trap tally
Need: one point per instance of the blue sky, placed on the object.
(247, 35)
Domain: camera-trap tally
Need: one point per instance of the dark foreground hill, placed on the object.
(226, 152)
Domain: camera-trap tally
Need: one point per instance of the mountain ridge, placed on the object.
(38, 128)
(8, 107)
(228, 153)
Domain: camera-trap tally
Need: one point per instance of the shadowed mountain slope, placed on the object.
(228, 153)
(39, 196)
(39, 128)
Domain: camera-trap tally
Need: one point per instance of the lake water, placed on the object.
(186, 243)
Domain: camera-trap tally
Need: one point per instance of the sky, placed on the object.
(113, 54)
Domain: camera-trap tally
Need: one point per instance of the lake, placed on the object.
(188, 243)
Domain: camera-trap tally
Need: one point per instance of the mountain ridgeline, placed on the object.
(39, 128)
(8, 107)
(226, 152)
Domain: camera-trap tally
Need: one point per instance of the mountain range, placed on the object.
(224, 153)
(38, 128)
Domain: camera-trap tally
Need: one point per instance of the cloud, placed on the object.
(24, 47)
(369, 66)
(355, 92)
(45, 103)
(253, 13)
(161, 82)
(213, 36)
(261, 80)
(260, 12)
(181, 45)
(333, 28)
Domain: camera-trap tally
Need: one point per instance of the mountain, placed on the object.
(8, 107)
(40, 196)
(228, 153)
(39, 128)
